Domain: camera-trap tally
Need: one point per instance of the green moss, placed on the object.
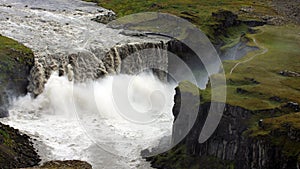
(13, 55)
(11, 52)
(7, 139)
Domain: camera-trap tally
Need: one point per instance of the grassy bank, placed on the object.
(256, 80)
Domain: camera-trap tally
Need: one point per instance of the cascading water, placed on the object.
(82, 121)
(85, 118)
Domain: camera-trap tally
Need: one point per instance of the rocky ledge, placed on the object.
(69, 164)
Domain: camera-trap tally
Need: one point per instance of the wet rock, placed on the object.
(16, 149)
(105, 17)
(68, 164)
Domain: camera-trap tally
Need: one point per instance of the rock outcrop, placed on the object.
(105, 17)
(233, 142)
(16, 149)
(16, 61)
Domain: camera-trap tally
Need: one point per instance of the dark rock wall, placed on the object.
(230, 142)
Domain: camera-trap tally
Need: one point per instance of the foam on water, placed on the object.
(86, 122)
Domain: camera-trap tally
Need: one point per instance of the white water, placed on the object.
(86, 121)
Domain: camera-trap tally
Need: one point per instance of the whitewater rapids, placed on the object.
(86, 121)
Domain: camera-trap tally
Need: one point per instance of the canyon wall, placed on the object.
(232, 143)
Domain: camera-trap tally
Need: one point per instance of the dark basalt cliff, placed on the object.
(233, 144)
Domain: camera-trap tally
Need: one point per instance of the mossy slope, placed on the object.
(16, 61)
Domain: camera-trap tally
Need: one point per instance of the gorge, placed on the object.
(82, 92)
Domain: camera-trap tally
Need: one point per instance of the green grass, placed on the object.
(12, 51)
(283, 44)
(198, 12)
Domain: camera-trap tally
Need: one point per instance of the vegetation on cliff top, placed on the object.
(12, 51)
(16, 61)
(12, 54)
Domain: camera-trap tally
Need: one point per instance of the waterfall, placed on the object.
(84, 121)
(82, 74)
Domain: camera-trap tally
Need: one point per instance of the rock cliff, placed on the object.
(16, 61)
(234, 143)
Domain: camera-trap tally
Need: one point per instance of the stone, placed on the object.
(68, 164)
(105, 17)
(16, 149)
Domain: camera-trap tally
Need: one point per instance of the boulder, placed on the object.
(105, 17)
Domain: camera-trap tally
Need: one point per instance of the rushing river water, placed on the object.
(82, 121)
